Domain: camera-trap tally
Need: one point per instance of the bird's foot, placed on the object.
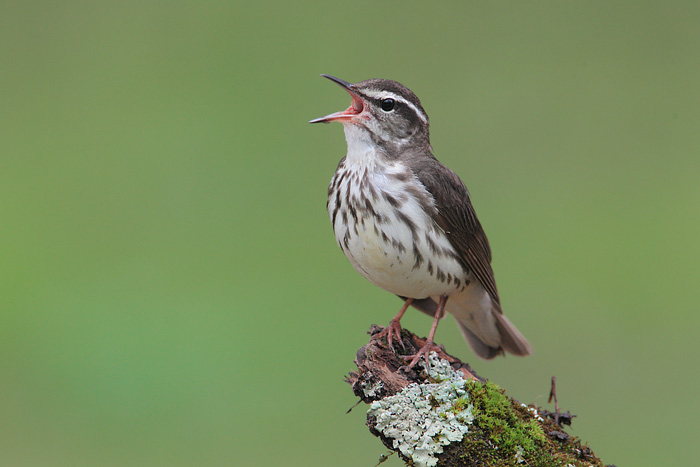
(392, 331)
(422, 352)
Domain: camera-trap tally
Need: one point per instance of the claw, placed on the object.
(425, 352)
(394, 328)
(392, 331)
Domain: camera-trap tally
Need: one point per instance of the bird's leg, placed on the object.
(394, 328)
(428, 346)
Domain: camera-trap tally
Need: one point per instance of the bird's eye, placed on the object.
(388, 104)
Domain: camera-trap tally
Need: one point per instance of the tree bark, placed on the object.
(453, 417)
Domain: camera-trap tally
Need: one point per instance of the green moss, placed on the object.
(460, 404)
(495, 415)
(509, 434)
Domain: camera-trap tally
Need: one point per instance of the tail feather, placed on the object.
(491, 344)
(511, 339)
(484, 326)
(478, 346)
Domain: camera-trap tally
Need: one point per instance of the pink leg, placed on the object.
(394, 328)
(428, 346)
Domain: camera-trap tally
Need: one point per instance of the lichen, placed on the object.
(371, 390)
(423, 418)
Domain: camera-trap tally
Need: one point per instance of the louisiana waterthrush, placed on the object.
(406, 222)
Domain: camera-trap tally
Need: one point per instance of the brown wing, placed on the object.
(456, 217)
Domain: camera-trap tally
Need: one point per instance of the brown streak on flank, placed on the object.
(433, 247)
(440, 275)
(401, 176)
(353, 212)
(418, 256)
(409, 223)
(391, 200)
(385, 238)
(369, 208)
(335, 213)
(372, 192)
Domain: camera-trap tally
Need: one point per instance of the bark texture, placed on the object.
(501, 431)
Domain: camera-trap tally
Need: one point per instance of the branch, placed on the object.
(453, 417)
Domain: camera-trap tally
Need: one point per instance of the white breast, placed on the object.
(385, 232)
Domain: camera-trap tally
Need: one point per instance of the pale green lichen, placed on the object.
(423, 418)
(441, 370)
(372, 391)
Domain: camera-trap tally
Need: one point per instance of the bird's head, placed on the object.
(388, 111)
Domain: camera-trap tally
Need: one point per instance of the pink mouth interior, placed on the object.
(356, 106)
(348, 115)
(355, 109)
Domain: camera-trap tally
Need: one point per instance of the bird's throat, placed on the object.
(362, 149)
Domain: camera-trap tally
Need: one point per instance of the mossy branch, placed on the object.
(453, 417)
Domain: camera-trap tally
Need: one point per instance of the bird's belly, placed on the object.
(382, 222)
(400, 261)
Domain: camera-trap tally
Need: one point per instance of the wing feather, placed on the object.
(455, 215)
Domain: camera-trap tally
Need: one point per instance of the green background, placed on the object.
(171, 292)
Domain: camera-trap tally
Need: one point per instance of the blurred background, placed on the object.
(171, 292)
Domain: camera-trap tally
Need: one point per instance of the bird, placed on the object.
(406, 222)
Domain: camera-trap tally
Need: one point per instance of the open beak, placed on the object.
(348, 114)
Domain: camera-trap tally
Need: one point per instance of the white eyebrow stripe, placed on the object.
(385, 94)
